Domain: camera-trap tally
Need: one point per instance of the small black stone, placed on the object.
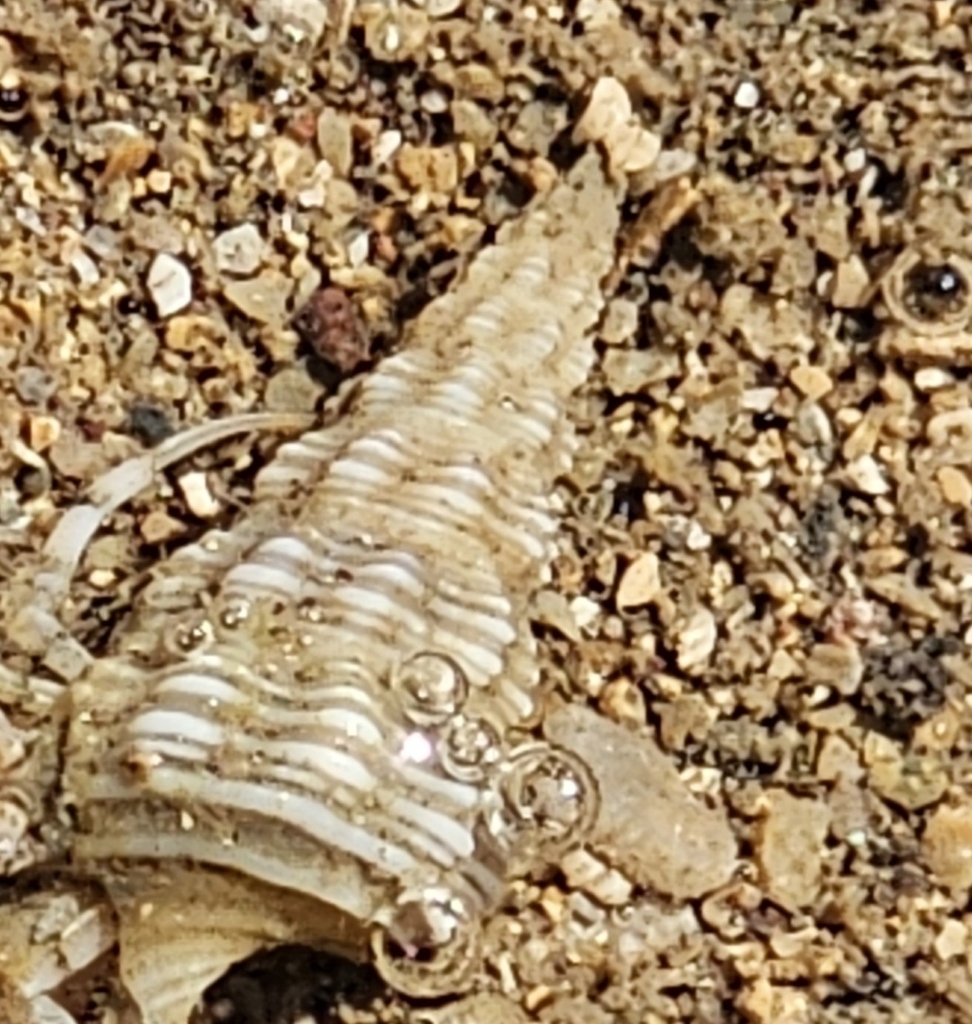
(149, 424)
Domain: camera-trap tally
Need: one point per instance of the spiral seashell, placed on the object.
(317, 705)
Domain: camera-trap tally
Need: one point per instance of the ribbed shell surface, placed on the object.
(254, 716)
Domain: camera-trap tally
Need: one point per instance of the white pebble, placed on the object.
(586, 612)
(855, 160)
(385, 146)
(86, 268)
(199, 498)
(866, 474)
(358, 249)
(747, 96)
(170, 284)
(239, 250)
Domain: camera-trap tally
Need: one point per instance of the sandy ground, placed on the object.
(764, 580)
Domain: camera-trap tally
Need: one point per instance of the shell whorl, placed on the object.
(326, 697)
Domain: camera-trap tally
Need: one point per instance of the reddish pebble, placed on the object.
(328, 324)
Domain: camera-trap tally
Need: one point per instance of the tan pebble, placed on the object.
(649, 823)
(307, 17)
(812, 381)
(432, 169)
(334, 140)
(835, 665)
(697, 640)
(550, 607)
(896, 588)
(199, 498)
(685, 717)
(622, 700)
(158, 526)
(850, 284)
(849, 805)
(952, 940)
(789, 848)
(537, 997)
(292, 388)
(766, 1003)
(947, 846)
(608, 119)
(553, 904)
(44, 431)
(838, 760)
(947, 428)
(640, 583)
(940, 732)
(955, 486)
(620, 322)
(262, 298)
(910, 782)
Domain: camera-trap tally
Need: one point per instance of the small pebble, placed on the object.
(240, 250)
(149, 423)
(812, 381)
(955, 486)
(952, 940)
(697, 641)
(291, 389)
(170, 284)
(199, 498)
(262, 298)
(34, 385)
(86, 268)
(790, 847)
(746, 96)
(329, 327)
(947, 846)
(866, 474)
(650, 826)
(159, 526)
(640, 584)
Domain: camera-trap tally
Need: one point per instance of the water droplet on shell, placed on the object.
(431, 687)
(430, 946)
(469, 747)
(551, 799)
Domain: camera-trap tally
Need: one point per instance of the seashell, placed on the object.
(312, 727)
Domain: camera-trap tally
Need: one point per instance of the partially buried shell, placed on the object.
(312, 727)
